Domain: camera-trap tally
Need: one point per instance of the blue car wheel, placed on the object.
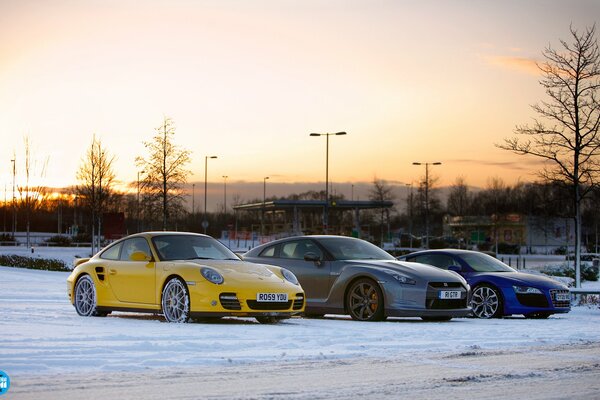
(486, 302)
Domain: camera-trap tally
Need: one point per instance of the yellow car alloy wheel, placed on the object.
(176, 301)
(85, 296)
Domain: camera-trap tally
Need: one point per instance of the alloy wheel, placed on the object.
(85, 296)
(485, 302)
(365, 301)
(176, 301)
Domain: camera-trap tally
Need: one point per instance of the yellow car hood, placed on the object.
(240, 270)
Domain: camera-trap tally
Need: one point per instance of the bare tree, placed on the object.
(32, 192)
(459, 198)
(566, 134)
(96, 178)
(382, 191)
(165, 173)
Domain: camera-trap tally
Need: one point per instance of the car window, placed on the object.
(438, 260)
(130, 246)
(298, 248)
(268, 252)
(190, 247)
(344, 248)
(112, 253)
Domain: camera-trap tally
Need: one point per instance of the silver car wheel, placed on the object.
(176, 301)
(485, 302)
(85, 296)
(365, 301)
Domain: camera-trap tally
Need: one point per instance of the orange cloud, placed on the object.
(521, 64)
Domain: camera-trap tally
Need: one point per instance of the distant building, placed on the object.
(537, 235)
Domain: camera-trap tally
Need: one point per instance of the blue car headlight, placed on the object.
(289, 276)
(526, 290)
(212, 276)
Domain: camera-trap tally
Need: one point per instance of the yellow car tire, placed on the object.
(176, 301)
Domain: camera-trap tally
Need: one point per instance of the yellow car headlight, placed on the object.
(289, 276)
(212, 276)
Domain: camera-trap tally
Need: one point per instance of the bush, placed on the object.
(7, 239)
(60, 240)
(46, 264)
(588, 273)
(505, 248)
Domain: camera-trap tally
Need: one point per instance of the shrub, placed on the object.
(46, 264)
(60, 240)
(8, 239)
(588, 273)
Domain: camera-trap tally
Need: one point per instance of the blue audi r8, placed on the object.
(497, 289)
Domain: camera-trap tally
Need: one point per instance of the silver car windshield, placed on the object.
(354, 249)
(483, 263)
(190, 247)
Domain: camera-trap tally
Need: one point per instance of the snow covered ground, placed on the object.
(50, 352)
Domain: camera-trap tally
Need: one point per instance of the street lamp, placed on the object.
(262, 216)
(225, 194)
(193, 198)
(138, 199)
(427, 198)
(14, 200)
(326, 209)
(205, 221)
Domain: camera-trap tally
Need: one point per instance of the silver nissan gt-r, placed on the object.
(344, 275)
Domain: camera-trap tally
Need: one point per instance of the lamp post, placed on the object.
(138, 200)
(262, 215)
(14, 210)
(225, 194)
(409, 199)
(193, 198)
(205, 221)
(427, 197)
(326, 209)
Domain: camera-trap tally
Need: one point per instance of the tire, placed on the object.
(364, 301)
(486, 302)
(540, 315)
(436, 319)
(86, 300)
(269, 320)
(175, 301)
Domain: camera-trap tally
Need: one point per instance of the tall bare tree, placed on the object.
(164, 169)
(32, 192)
(459, 199)
(382, 191)
(566, 133)
(96, 177)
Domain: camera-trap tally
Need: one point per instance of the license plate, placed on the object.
(450, 294)
(562, 297)
(271, 297)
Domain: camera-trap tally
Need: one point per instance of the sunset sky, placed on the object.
(248, 81)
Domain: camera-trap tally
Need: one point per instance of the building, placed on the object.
(529, 234)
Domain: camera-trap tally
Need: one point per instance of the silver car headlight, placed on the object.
(212, 276)
(289, 276)
(526, 290)
(405, 280)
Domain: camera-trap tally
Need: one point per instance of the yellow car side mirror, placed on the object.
(139, 256)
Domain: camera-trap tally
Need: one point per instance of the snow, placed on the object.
(41, 335)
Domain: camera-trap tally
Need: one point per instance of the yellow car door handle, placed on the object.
(112, 271)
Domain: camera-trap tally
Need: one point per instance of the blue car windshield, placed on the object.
(483, 263)
(343, 248)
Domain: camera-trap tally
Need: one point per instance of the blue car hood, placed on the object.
(520, 278)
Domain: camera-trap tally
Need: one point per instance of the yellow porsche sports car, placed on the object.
(182, 276)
